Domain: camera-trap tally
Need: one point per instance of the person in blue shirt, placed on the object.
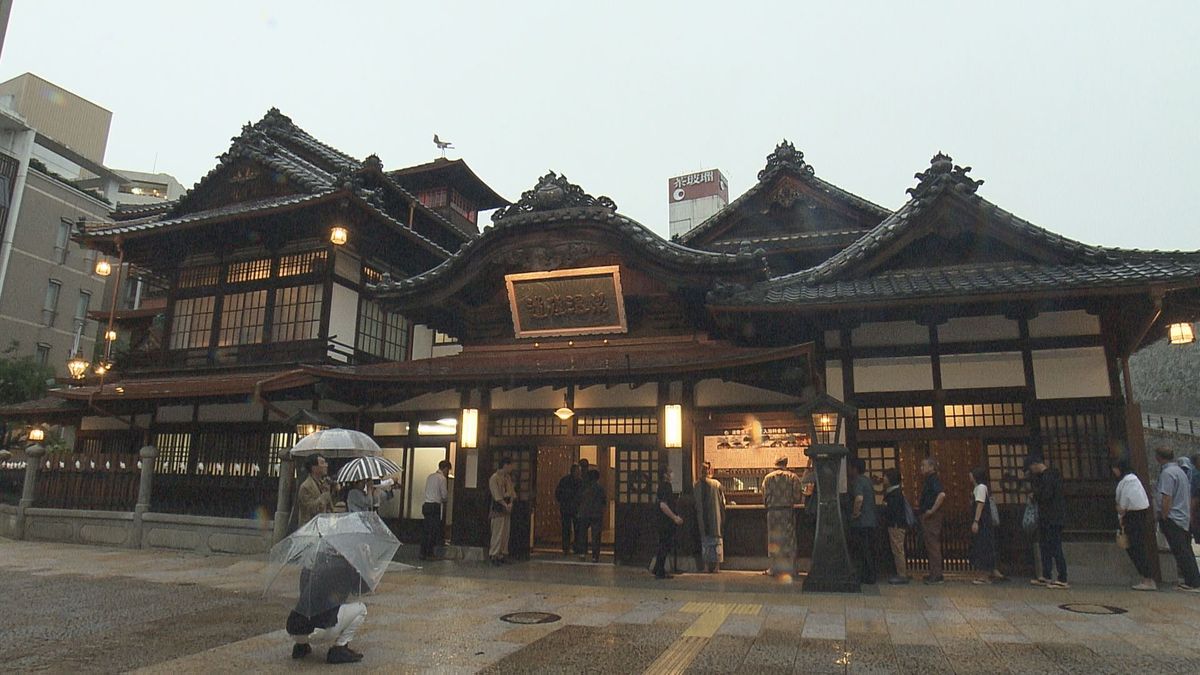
(862, 520)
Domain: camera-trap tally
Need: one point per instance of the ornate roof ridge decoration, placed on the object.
(943, 174)
(551, 193)
(786, 156)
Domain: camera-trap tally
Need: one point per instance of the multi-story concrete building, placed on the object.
(47, 282)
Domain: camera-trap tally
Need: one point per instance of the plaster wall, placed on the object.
(1070, 373)
(1063, 324)
(713, 393)
(343, 318)
(889, 333)
(969, 371)
(978, 329)
(913, 373)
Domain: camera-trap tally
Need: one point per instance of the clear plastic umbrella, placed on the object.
(337, 443)
(331, 558)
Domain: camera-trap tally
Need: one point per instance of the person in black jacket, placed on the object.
(567, 496)
(1052, 512)
(592, 504)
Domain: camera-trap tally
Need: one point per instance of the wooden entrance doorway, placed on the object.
(956, 458)
(553, 462)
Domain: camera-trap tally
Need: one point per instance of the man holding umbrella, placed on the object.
(338, 556)
(314, 495)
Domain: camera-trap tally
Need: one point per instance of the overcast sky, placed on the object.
(1081, 117)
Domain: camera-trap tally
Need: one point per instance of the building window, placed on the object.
(1077, 444)
(877, 459)
(891, 418)
(382, 334)
(249, 270)
(62, 241)
(191, 327)
(615, 425)
(42, 354)
(433, 198)
(202, 275)
(529, 424)
(637, 476)
(50, 305)
(297, 313)
(985, 415)
(460, 204)
(372, 275)
(81, 309)
(1005, 463)
(242, 317)
(440, 338)
(301, 263)
(173, 452)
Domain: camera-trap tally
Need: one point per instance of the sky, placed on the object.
(1081, 117)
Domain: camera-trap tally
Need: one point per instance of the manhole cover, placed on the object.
(1087, 608)
(530, 617)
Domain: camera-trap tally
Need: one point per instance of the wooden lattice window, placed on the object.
(174, 450)
(297, 314)
(616, 425)
(889, 418)
(301, 263)
(1077, 444)
(281, 443)
(242, 317)
(372, 275)
(637, 476)
(199, 276)
(529, 424)
(522, 473)
(1005, 462)
(228, 453)
(878, 458)
(249, 270)
(985, 415)
(191, 327)
(380, 333)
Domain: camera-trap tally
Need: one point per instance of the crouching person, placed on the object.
(335, 627)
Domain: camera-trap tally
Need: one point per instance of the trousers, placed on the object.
(896, 540)
(1181, 548)
(931, 532)
(349, 618)
(1050, 543)
(432, 530)
(500, 526)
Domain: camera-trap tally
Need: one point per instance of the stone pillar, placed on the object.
(287, 469)
(33, 463)
(148, 455)
(832, 570)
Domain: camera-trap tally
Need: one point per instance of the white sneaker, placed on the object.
(1057, 584)
(1146, 586)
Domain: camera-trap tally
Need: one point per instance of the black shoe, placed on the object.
(342, 655)
(301, 650)
(664, 576)
(354, 652)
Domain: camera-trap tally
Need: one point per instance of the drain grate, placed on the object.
(530, 617)
(1088, 608)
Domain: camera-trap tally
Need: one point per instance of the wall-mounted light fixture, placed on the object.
(339, 235)
(673, 425)
(470, 427)
(77, 366)
(110, 335)
(1181, 334)
(103, 267)
(36, 434)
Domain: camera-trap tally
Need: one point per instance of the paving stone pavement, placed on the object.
(91, 609)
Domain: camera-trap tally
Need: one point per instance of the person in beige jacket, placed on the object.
(503, 494)
(314, 496)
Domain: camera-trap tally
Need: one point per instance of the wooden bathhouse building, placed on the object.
(565, 330)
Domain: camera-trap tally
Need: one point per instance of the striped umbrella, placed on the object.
(363, 468)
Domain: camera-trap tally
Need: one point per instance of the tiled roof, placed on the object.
(316, 168)
(528, 364)
(804, 240)
(981, 279)
(1080, 266)
(226, 211)
(50, 405)
(195, 386)
(526, 215)
(785, 159)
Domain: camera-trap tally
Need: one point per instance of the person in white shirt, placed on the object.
(1133, 513)
(437, 492)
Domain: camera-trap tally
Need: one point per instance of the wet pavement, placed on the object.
(89, 609)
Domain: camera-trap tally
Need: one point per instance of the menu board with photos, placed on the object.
(742, 449)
